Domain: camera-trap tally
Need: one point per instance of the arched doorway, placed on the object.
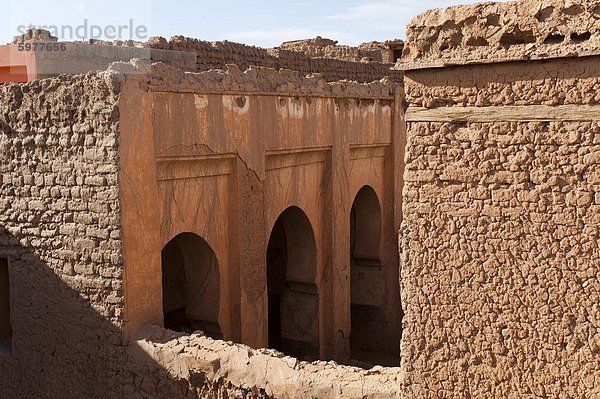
(368, 283)
(292, 289)
(191, 286)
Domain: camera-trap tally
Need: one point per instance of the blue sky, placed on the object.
(262, 23)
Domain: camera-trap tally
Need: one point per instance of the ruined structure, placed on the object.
(257, 206)
(332, 62)
(174, 225)
(387, 52)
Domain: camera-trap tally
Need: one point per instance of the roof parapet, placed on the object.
(502, 32)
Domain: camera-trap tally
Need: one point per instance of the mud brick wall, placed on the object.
(499, 241)
(216, 55)
(334, 69)
(321, 47)
(59, 230)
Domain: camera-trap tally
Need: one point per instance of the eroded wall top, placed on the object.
(215, 55)
(495, 32)
(234, 369)
(367, 63)
(257, 80)
(326, 48)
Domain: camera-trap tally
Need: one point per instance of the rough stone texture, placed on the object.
(59, 229)
(65, 193)
(499, 240)
(490, 32)
(216, 55)
(336, 62)
(200, 367)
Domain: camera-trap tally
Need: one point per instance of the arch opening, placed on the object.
(293, 297)
(369, 286)
(191, 286)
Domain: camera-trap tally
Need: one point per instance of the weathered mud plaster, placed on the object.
(326, 48)
(100, 170)
(499, 239)
(17, 65)
(499, 203)
(333, 64)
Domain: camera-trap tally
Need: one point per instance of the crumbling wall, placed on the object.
(326, 48)
(488, 32)
(366, 63)
(217, 54)
(79, 57)
(499, 239)
(200, 367)
(59, 230)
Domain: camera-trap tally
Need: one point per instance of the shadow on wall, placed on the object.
(63, 345)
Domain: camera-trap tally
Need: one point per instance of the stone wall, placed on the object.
(216, 55)
(59, 230)
(366, 63)
(499, 239)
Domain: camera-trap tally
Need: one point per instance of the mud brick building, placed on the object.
(190, 219)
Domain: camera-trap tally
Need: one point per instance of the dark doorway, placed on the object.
(368, 341)
(191, 286)
(291, 283)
